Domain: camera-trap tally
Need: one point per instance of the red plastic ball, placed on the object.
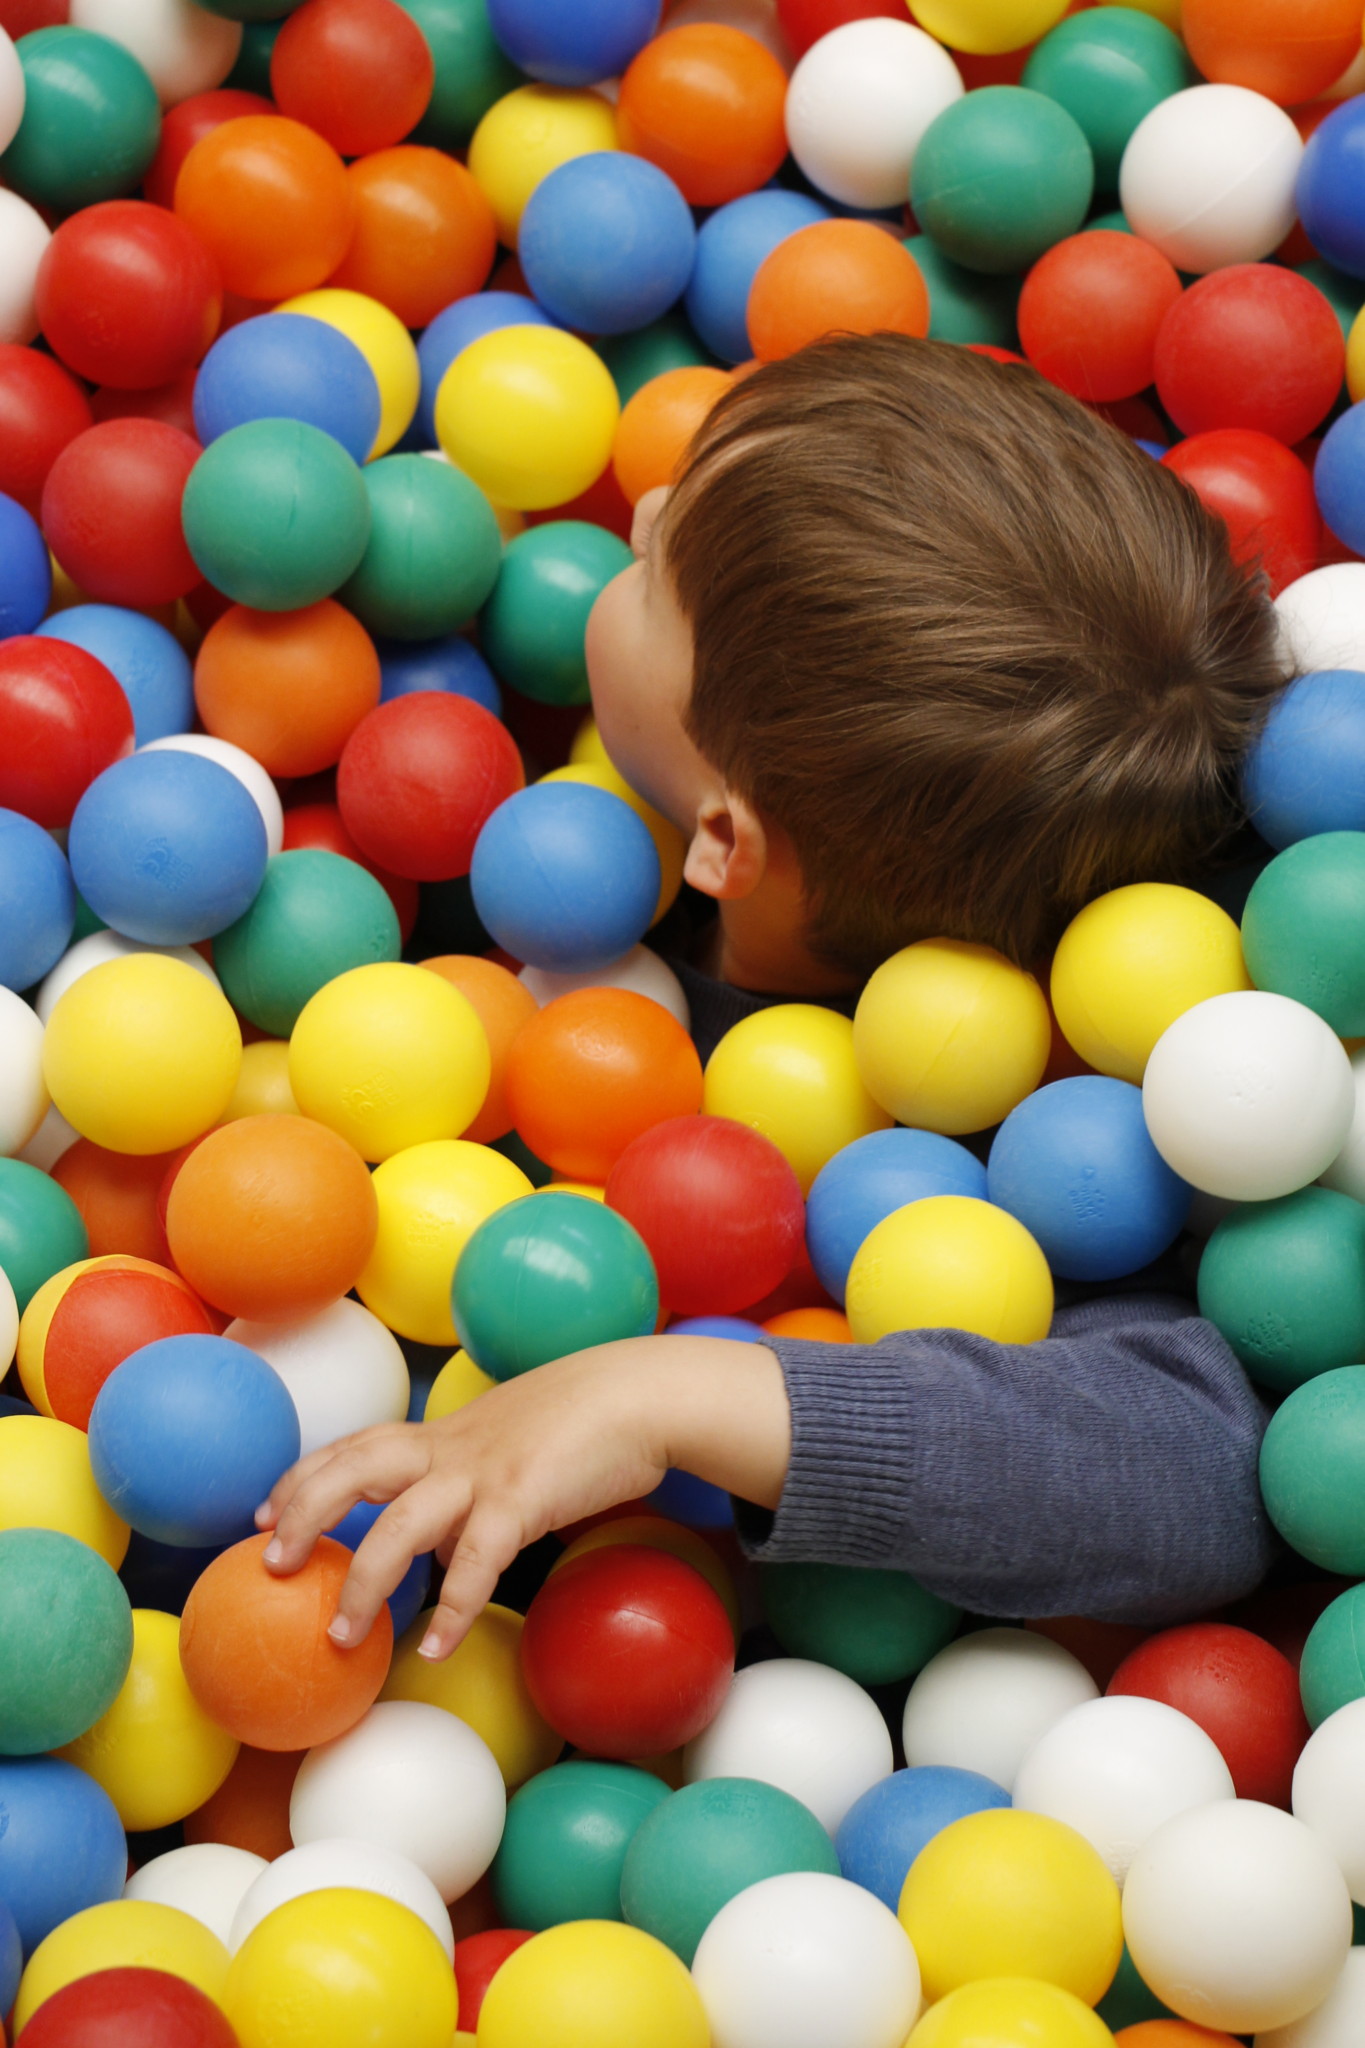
(419, 777)
(1264, 493)
(358, 72)
(42, 407)
(627, 1652)
(101, 1317)
(111, 512)
(172, 404)
(1239, 1690)
(1250, 346)
(805, 21)
(129, 2009)
(63, 720)
(478, 1958)
(1090, 311)
(128, 295)
(719, 1208)
(184, 125)
(320, 825)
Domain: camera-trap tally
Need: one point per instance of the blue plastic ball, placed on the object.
(883, 1832)
(452, 664)
(606, 242)
(63, 1846)
(867, 1180)
(187, 1437)
(38, 898)
(168, 847)
(150, 664)
(452, 331)
(736, 1328)
(565, 876)
(694, 1502)
(731, 245)
(288, 367)
(11, 1957)
(573, 44)
(1339, 478)
(1329, 196)
(409, 1596)
(1075, 1164)
(25, 570)
(1306, 772)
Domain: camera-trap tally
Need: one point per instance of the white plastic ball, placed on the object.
(1117, 1769)
(24, 236)
(860, 99)
(238, 762)
(357, 1866)
(804, 1960)
(1237, 1916)
(344, 1369)
(24, 1098)
(1347, 1171)
(1329, 1791)
(97, 947)
(1322, 618)
(1339, 2022)
(9, 1323)
(1208, 176)
(182, 47)
(1249, 1095)
(11, 91)
(981, 1704)
(53, 1137)
(800, 1726)
(414, 1779)
(207, 1880)
(639, 970)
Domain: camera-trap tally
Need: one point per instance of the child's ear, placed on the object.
(728, 855)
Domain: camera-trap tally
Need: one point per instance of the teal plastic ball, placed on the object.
(433, 553)
(1303, 929)
(1313, 1470)
(67, 1631)
(91, 120)
(565, 1842)
(472, 70)
(634, 360)
(1109, 68)
(1000, 176)
(315, 916)
(533, 626)
(875, 1626)
(1285, 1283)
(276, 515)
(966, 305)
(41, 1229)
(1332, 1668)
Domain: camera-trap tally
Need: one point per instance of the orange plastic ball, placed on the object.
(360, 72)
(272, 1217)
(834, 277)
(250, 1809)
(257, 1655)
(596, 1068)
(1290, 50)
(423, 236)
(819, 1325)
(705, 103)
(116, 1193)
(288, 687)
(1171, 2034)
(656, 427)
(272, 201)
(504, 1005)
(88, 1318)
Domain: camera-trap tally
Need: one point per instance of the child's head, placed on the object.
(948, 635)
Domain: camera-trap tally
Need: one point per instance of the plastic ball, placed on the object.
(657, 425)
(1327, 193)
(205, 1879)
(982, 1703)
(36, 885)
(424, 233)
(41, 1229)
(1334, 478)
(271, 201)
(593, 1984)
(1289, 54)
(64, 1846)
(640, 970)
(802, 1727)
(1000, 176)
(503, 1006)
(1264, 495)
(257, 1655)
(24, 236)
(433, 552)
(1092, 310)
(965, 305)
(900, 80)
(385, 344)
(181, 52)
(111, 512)
(1299, 917)
(148, 663)
(238, 762)
(11, 93)
(95, 950)
(90, 121)
(346, 1862)
(883, 1832)
(431, 1200)
(451, 663)
(48, 1484)
(606, 242)
(568, 1833)
(525, 135)
(127, 295)
(594, 1070)
(290, 688)
(25, 571)
(64, 720)
(790, 1073)
(87, 1319)
(1109, 73)
(1208, 176)
(533, 624)
(950, 1261)
(529, 413)
(357, 72)
(565, 876)
(875, 1626)
(951, 1036)
(1322, 619)
(340, 1965)
(24, 1099)
(316, 916)
(419, 778)
(67, 1624)
(124, 1933)
(1003, 2010)
(1310, 1470)
(185, 123)
(549, 1275)
(42, 407)
(458, 1383)
(454, 328)
(836, 276)
(597, 41)
(1238, 1688)
(862, 1184)
(731, 244)
(284, 366)
(276, 514)
(481, 1683)
(478, 1958)
(987, 27)
(655, 1532)
(250, 1809)
(1250, 346)
(705, 103)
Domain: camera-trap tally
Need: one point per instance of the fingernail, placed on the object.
(339, 1629)
(274, 1552)
(430, 1645)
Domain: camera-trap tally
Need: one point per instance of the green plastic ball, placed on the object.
(874, 1626)
(565, 1842)
(1285, 1283)
(1313, 1470)
(1345, 295)
(1109, 67)
(666, 344)
(1332, 1668)
(964, 305)
(1000, 176)
(708, 1842)
(533, 625)
(1116, 220)
(276, 515)
(67, 1631)
(1129, 2001)
(251, 72)
(433, 553)
(315, 916)
(1303, 929)
(91, 120)
(550, 1274)
(256, 13)
(471, 70)
(41, 1230)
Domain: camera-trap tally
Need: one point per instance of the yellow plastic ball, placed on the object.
(1012, 1894)
(791, 1073)
(124, 1934)
(389, 1056)
(528, 134)
(458, 1383)
(341, 1969)
(587, 749)
(529, 413)
(386, 345)
(431, 1200)
(987, 28)
(36, 1321)
(46, 1483)
(155, 1751)
(1135, 960)
(1355, 357)
(950, 1262)
(1010, 2012)
(669, 843)
(593, 1984)
(263, 1084)
(575, 1187)
(655, 1532)
(951, 1037)
(142, 1054)
(480, 1683)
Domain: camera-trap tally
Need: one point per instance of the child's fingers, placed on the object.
(411, 1525)
(288, 1483)
(375, 1468)
(490, 1541)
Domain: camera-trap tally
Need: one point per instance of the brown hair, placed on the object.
(978, 655)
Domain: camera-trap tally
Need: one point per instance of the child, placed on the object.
(918, 647)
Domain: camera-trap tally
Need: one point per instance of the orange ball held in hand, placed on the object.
(503, 1005)
(358, 71)
(423, 236)
(257, 1655)
(1290, 50)
(596, 1068)
(288, 687)
(655, 428)
(272, 1217)
(271, 200)
(705, 103)
(834, 277)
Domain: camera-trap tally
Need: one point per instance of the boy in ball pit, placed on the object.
(918, 647)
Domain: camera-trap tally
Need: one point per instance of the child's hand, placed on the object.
(561, 1442)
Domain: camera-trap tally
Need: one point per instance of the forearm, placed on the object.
(720, 1410)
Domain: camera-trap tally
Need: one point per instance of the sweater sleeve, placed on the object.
(1110, 1470)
